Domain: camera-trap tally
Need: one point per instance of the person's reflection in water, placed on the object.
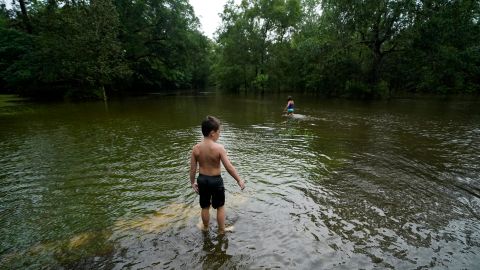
(215, 249)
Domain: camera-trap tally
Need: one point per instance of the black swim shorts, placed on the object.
(211, 191)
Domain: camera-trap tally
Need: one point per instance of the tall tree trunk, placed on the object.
(245, 77)
(104, 98)
(25, 18)
(104, 94)
(377, 62)
(51, 5)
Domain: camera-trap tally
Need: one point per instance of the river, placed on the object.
(341, 185)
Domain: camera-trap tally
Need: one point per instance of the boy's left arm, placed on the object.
(193, 171)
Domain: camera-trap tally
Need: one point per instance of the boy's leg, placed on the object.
(206, 216)
(221, 218)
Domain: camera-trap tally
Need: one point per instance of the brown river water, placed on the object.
(341, 185)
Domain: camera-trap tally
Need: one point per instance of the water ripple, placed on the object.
(348, 186)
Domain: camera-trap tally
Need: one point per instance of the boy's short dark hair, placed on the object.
(210, 124)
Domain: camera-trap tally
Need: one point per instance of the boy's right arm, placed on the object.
(193, 170)
(230, 168)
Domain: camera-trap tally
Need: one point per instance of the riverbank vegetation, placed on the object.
(360, 49)
(86, 49)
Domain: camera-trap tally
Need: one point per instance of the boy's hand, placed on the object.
(241, 183)
(195, 187)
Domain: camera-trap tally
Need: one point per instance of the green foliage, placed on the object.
(447, 41)
(362, 49)
(80, 49)
(254, 44)
(357, 89)
(14, 66)
(3, 15)
(359, 49)
(260, 81)
(163, 46)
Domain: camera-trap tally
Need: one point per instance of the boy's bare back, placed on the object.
(208, 155)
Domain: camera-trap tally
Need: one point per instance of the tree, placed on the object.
(162, 42)
(445, 40)
(81, 45)
(14, 45)
(253, 31)
(84, 49)
(26, 19)
(377, 25)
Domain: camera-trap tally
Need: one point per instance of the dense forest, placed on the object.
(341, 48)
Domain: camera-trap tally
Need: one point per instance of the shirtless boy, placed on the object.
(209, 185)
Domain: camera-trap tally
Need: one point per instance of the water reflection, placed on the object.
(215, 248)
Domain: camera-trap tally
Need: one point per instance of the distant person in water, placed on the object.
(289, 108)
(208, 154)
